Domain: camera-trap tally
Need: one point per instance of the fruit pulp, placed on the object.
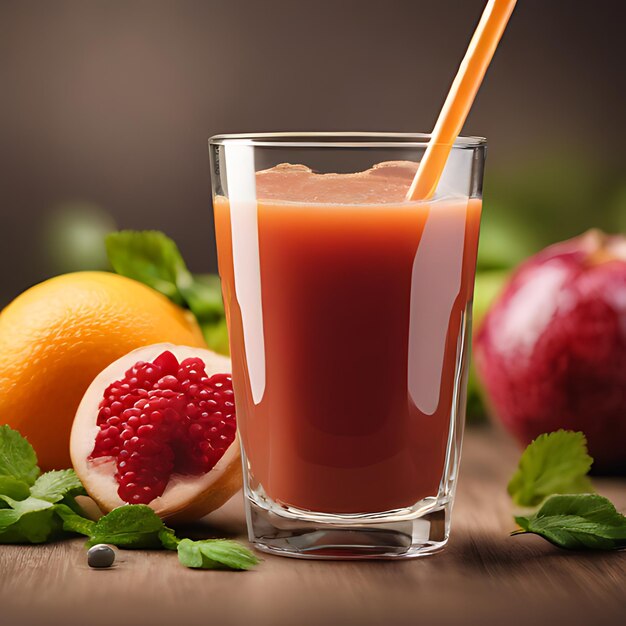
(346, 308)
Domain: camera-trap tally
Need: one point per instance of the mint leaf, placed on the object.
(577, 522)
(203, 295)
(14, 488)
(36, 520)
(27, 521)
(73, 522)
(7, 517)
(54, 486)
(553, 463)
(215, 554)
(17, 457)
(216, 336)
(150, 257)
(168, 538)
(21, 507)
(138, 526)
(129, 526)
(35, 527)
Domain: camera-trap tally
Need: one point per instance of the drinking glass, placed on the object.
(349, 316)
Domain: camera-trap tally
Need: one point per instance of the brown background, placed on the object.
(111, 103)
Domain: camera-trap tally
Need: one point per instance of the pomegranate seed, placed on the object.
(167, 363)
(164, 418)
(127, 433)
(167, 382)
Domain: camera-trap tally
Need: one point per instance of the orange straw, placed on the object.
(461, 97)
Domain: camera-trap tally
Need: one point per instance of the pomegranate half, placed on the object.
(158, 427)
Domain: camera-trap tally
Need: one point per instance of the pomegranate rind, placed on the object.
(185, 498)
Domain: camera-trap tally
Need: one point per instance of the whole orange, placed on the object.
(58, 335)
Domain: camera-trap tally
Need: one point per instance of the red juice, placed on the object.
(346, 319)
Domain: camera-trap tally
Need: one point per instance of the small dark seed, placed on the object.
(100, 555)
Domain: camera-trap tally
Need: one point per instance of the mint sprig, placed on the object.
(28, 499)
(136, 526)
(553, 470)
(215, 554)
(154, 259)
(37, 508)
(557, 462)
(577, 522)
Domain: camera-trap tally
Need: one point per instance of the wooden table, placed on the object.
(483, 577)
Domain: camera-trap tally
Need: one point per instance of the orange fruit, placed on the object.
(58, 335)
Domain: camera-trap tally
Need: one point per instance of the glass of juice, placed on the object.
(349, 314)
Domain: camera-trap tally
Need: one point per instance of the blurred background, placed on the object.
(106, 108)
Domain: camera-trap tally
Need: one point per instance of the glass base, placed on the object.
(289, 532)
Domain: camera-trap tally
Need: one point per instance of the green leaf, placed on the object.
(14, 488)
(216, 336)
(215, 554)
(8, 517)
(149, 257)
(17, 457)
(36, 520)
(129, 526)
(35, 527)
(577, 522)
(54, 486)
(27, 521)
(21, 507)
(73, 522)
(153, 258)
(168, 539)
(553, 463)
(203, 295)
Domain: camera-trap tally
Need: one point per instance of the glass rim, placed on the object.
(340, 140)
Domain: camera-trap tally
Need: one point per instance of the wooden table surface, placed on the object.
(483, 577)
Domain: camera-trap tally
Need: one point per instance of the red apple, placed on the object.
(551, 351)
